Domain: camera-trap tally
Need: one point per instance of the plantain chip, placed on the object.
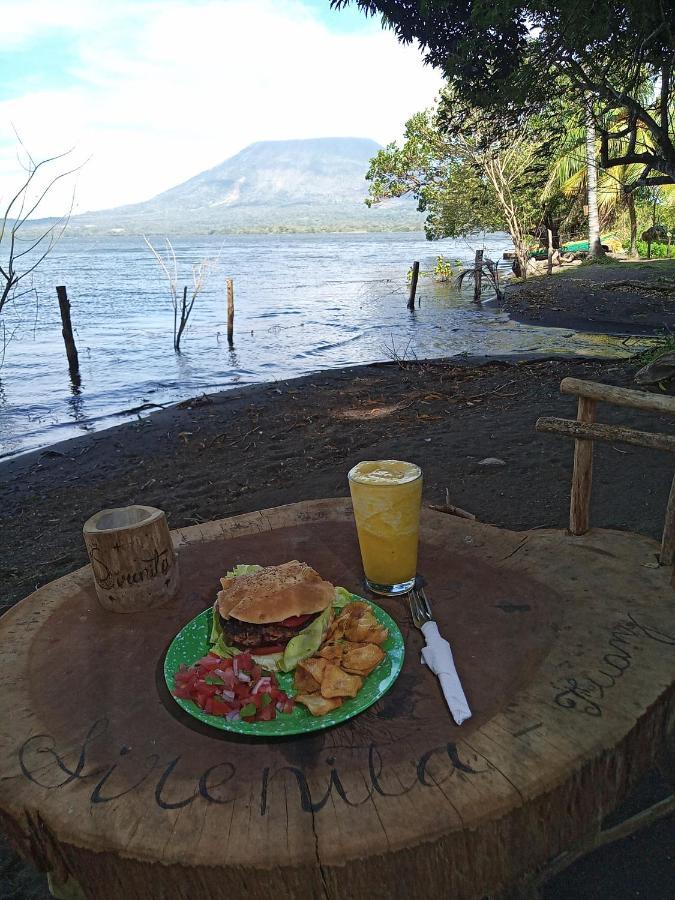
(303, 680)
(366, 630)
(318, 705)
(336, 683)
(332, 651)
(361, 659)
(314, 666)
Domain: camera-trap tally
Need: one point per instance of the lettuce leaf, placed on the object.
(220, 648)
(269, 661)
(242, 570)
(342, 597)
(307, 641)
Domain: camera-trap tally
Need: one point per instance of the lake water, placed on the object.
(303, 303)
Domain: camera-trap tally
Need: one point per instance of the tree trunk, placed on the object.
(594, 246)
(183, 321)
(630, 201)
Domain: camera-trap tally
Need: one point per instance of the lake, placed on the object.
(303, 303)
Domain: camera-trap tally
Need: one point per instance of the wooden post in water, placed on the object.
(67, 330)
(478, 276)
(230, 312)
(413, 285)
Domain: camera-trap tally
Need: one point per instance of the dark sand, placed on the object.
(271, 444)
(613, 298)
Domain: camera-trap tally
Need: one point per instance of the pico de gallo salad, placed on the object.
(236, 688)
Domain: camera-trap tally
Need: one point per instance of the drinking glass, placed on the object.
(387, 497)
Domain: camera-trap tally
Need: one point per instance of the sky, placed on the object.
(146, 94)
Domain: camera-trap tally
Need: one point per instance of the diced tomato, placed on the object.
(248, 686)
(219, 708)
(210, 661)
(273, 648)
(183, 693)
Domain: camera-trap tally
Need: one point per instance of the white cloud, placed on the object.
(181, 87)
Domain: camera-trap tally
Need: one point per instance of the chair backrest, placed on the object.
(585, 431)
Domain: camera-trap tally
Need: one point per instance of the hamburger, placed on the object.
(263, 609)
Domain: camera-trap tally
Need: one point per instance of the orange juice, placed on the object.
(387, 496)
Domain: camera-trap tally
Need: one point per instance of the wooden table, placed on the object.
(566, 647)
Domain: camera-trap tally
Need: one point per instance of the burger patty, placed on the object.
(248, 634)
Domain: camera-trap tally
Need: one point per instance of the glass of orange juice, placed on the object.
(387, 498)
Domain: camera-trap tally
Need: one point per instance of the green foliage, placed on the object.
(444, 270)
(662, 344)
(511, 56)
(470, 173)
(448, 187)
(659, 251)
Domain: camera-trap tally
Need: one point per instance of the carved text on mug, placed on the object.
(159, 564)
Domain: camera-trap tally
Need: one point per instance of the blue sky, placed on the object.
(148, 93)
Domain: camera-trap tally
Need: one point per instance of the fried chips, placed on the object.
(351, 650)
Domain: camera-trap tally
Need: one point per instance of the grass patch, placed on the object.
(662, 344)
(604, 260)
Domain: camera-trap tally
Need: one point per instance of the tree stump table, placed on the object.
(565, 646)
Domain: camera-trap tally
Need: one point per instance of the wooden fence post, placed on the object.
(67, 330)
(413, 285)
(582, 476)
(230, 312)
(478, 276)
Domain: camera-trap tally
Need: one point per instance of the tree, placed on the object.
(468, 174)
(576, 153)
(594, 244)
(20, 256)
(182, 307)
(513, 55)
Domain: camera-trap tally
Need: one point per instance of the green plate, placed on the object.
(192, 642)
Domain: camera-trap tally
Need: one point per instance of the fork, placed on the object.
(438, 655)
(419, 607)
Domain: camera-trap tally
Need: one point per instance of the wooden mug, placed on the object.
(132, 557)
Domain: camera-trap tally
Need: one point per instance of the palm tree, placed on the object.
(576, 168)
(594, 244)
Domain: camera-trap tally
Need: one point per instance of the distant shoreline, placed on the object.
(34, 227)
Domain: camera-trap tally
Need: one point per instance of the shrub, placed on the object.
(659, 251)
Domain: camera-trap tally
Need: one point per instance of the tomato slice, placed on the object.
(294, 621)
(264, 651)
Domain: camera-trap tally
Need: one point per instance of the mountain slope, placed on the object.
(300, 185)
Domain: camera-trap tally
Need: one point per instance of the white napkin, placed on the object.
(438, 656)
